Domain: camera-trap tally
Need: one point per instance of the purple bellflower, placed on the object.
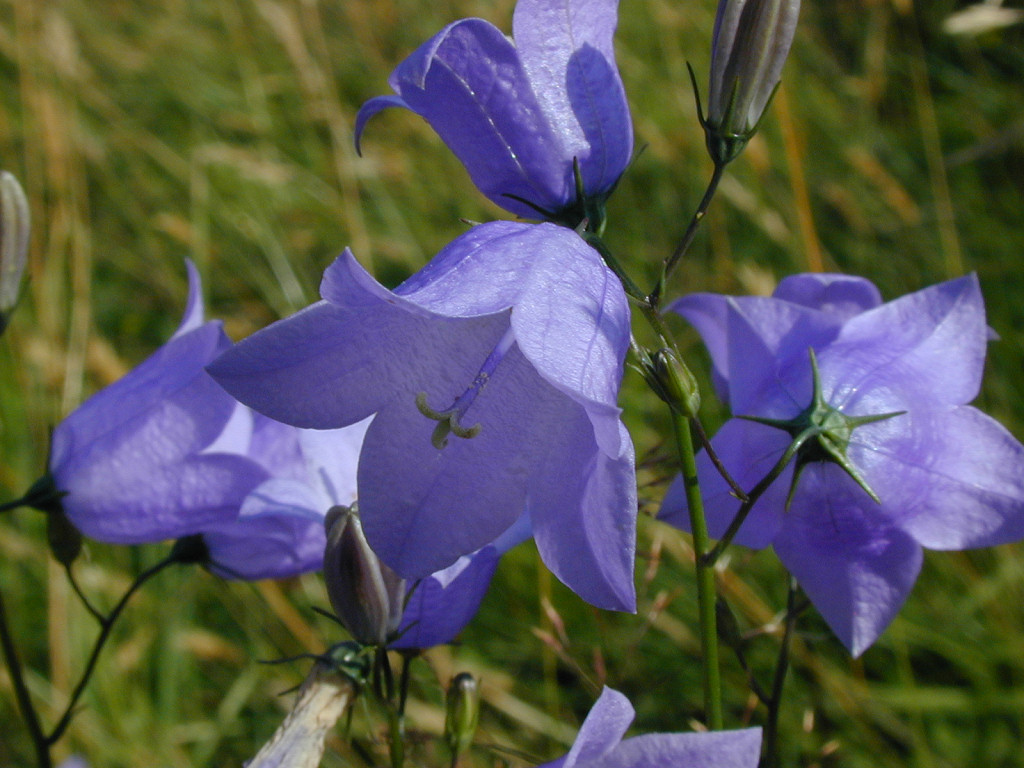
(493, 373)
(129, 463)
(896, 460)
(520, 115)
(599, 743)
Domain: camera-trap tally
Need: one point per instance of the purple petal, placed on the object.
(468, 83)
(854, 566)
(924, 348)
(583, 507)
(769, 357)
(603, 729)
(443, 603)
(748, 450)
(331, 457)
(371, 108)
(719, 749)
(567, 52)
(267, 544)
(173, 371)
(144, 490)
(316, 369)
(754, 342)
(193, 317)
(465, 495)
(949, 478)
(841, 296)
(277, 448)
(127, 456)
(709, 314)
(570, 314)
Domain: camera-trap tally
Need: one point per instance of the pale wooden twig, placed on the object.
(299, 740)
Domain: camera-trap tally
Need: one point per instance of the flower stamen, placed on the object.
(449, 420)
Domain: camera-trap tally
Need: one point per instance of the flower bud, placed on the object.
(674, 383)
(462, 712)
(366, 595)
(750, 45)
(14, 228)
(64, 539)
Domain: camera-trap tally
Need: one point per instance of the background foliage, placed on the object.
(145, 131)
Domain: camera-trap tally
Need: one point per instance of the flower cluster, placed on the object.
(166, 453)
(893, 460)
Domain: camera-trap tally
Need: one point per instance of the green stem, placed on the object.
(12, 505)
(106, 625)
(100, 618)
(691, 232)
(758, 490)
(705, 573)
(28, 712)
(771, 727)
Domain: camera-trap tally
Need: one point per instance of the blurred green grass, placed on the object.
(147, 131)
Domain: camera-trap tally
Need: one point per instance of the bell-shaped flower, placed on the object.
(896, 459)
(599, 743)
(493, 374)
(520, 115)
(279, 531)
(129, 465)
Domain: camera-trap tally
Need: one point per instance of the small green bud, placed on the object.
(463, 712)
(367, 596)
(14, 230)
(674, 383)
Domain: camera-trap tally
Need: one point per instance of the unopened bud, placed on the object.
(366, 595)
(674, 383)
(462, 713)
(14, 228)
(750, 45)
(64, 539)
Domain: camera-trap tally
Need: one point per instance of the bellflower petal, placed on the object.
(130, 459)
(855, 567)
(518, 114)
(835, 299)
(440, 605)
(599, 743)
(946, 476)
(279, 532)
(950, 494)
(566, 49)
(840, 296)
(266, 544)
(520, 328)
